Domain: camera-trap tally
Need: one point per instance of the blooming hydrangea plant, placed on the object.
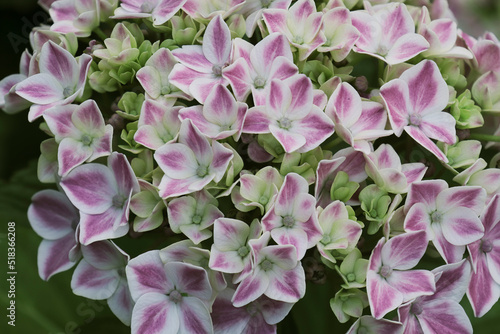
(267, 147)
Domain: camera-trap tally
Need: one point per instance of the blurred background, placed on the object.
(51, 307)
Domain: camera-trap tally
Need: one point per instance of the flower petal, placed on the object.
(53, 256)
(155, 314)
(93, 283)
(217, 41)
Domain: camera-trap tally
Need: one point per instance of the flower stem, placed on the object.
(100, 33)
(483, 137)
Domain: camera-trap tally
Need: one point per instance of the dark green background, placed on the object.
(50, 307)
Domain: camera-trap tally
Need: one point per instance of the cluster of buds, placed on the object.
(259, 147)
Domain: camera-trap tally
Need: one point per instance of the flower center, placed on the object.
(436, 217)
(326, 239)
(68, 91)
(147, 7)
(259, 82)
(284, 123)
(243, 251)
(415, 119)
(385, 271)
(288, 221)
(252, 309)
(165, 90)
(196, 219)
(416, 308)
(265, 3)
(351, 277)
(266, 265)
(486, 246)
(298, 40)
(86, 140)
(118, 201)
(217, 70)
(202, 171)
(175, 296)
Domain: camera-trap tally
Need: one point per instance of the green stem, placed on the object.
(483, 137)
(100, 33)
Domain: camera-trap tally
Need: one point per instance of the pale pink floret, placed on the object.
(61, 79)
(389, 280)
(201, 66)
(442, 37)
(276, 273)
(80, 132)
(449, 216)
(253, 9)
(415, 103)
(203, 10)
(55, 219)
(220, 117)
(387, 32)
(339, 32)
(10, 102)
(259, 316)
(160, 11)
(170, 297)
(158, 124)
(255, 67)
(79, 16)
(290, 115)
(301, 24)
(484, 288)
(385, 169)
(101, 275)
(441, 311)
(292, 220)
(357, 122)
(191, 163)
(102, 194)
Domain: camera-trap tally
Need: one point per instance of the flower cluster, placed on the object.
(259, 147)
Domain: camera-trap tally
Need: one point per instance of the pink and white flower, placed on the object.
(276, 273)
(290, 115)
(442, 37)
(193, 215)
(160, 11)
(387, 32)
(102, 194)
(203, 10)
(384, 167)
(220, 116)
(61, 80)
(80, 132)
(253, 10)
(259, 316)
(441, 311)
(201, 66)
(55, 219)
(369, 325)
(191, 163)
(158, 124)
(153, 77)
(301, 24)
(80, 16)
(357, 122)
(449, 216)
(255, 67)
(389, 282)
(484, 287)
(415, 102)
(10, 102)
(339, 32)
(169, 297)
(292, 220)
(101, 275)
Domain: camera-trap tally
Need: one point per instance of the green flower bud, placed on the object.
(320, 72)
(47, 163)
(463, 154)
(185, 30)
(353, 270)
(121, 47)
(375, 203)
(100, 80)
(237, 25)
(146, 50)
(271, 145)
(125, 74)
(342, 189)
(130, 105)
(466, 112)
(348, 303)
(127, 136)
(143, 165)
(451, 69)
